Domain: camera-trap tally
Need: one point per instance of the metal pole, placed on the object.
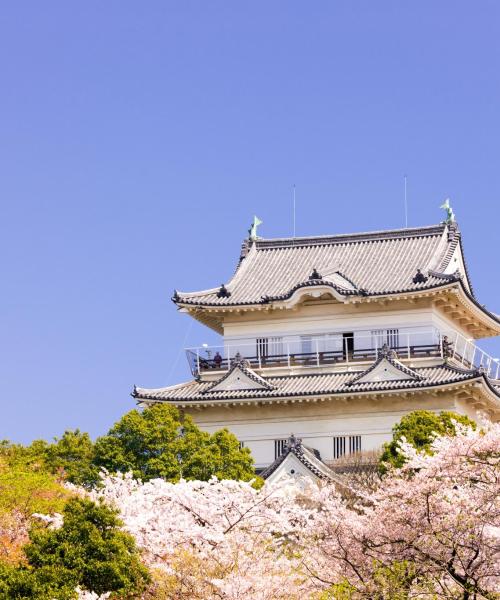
(473, 356)
(465, 351)
(317, 353)
(455, 345)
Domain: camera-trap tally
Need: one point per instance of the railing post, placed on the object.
(441, 345)
(288, 353)
(408, 344)
(317, 354)
(498, 367)
(346, 350)
(259, 357)
(467, 342)
(228, 358)
(455, 344)
(198, 360)
(473, 355)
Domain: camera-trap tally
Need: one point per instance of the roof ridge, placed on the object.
(263, 243)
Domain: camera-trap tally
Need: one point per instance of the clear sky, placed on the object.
(138, 139)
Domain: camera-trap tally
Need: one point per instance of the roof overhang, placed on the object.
(478, 391)
(452, 298)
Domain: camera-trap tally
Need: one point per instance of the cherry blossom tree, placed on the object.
(430, 530)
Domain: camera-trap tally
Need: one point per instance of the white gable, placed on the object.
(384, 371)
(292, 467)
(237, 380)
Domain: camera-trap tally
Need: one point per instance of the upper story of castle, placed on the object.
(326, 301)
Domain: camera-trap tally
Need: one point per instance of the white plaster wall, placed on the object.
(323, 318)
(332, 319)
(316, 424)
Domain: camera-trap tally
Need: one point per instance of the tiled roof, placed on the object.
(374, 263)
(324, 384)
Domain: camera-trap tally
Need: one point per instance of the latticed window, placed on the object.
(385, 336)
(338, 446)
(354, 444)
(279, 448)
(272, 346)
(346, 444)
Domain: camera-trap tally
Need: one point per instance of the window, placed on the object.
(393, 338)
(338, 446)
(354, 444)
(385, 336)
(306, 344)
(346, 444)
(272, 346)
(279, 448)
(262, 347)
(275, 346)
(241, 445)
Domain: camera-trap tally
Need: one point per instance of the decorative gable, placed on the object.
(293, 467)
(385, 368)
(240, 377)
(384, 371)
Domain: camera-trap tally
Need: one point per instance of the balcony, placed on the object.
(342, 350)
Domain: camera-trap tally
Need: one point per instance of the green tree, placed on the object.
(72, 456)
(419, 429)
(69, 457)
(161, 442)
(89, 551)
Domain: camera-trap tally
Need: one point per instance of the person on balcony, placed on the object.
(217, 360)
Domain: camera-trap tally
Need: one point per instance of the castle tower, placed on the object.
(335, 338)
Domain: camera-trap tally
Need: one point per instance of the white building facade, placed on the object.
(335, 338)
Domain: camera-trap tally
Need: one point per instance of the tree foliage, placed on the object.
(156, 442)
(419, 428)
(161, 442)
(89, 551)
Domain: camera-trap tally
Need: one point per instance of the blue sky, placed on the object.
(138, 139)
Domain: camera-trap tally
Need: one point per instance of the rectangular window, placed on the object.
(279, 448)
(385, 336)
(393, 338)
(346, 444)
(275, 346)
(354, 444)
(272, 346)
(306, 344)
(338, 446)
(377, 338)
(262, 347)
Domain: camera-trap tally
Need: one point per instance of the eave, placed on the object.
(478, 391)
(452, 298)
